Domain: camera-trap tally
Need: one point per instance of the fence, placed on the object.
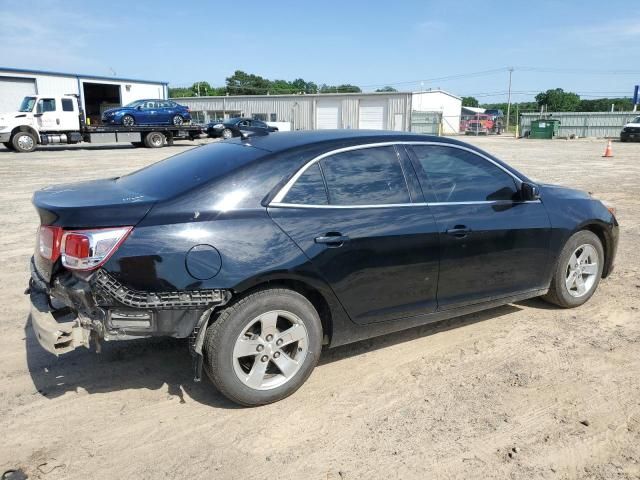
(581, 124)
(426, 122)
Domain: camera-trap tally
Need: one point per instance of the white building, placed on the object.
(440, 101)
(96, 93)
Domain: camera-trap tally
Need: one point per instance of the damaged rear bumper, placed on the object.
(99, 308)
(55, 336)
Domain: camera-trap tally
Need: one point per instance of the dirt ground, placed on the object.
(523, 391)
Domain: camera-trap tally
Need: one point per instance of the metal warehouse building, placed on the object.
(426, 112)
(96, 93)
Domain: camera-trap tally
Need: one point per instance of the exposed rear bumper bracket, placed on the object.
(55, 337)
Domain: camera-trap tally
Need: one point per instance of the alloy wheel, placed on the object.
(270, 350)
(128, 121)
(582, 270)
(177, 120)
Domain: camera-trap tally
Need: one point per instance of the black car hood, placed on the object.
(559, 191)
(97, 203)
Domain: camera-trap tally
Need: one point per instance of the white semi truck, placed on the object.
(45, 120)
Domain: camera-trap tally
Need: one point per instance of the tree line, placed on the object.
(557, 100)
(242, 83)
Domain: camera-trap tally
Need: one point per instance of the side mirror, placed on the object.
(530, 192)
(139, 107)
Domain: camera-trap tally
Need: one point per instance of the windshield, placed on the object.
(27, 104)
(134, 104)
(636, 120)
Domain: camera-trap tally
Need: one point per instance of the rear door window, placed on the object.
(308, 189)
(367, 176)
(449, 174)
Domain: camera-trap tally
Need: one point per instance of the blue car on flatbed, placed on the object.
(148, 112)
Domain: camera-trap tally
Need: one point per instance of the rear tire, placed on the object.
(177, 121)
(154, 140)
(285, 330)
(24, 142)
(575, 279)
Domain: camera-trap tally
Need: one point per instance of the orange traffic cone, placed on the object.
(608, 152)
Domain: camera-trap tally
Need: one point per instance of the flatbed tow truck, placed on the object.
(48, 120)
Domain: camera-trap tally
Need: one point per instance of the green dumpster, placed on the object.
(544, 128)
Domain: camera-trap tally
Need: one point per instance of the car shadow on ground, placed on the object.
(152, 363)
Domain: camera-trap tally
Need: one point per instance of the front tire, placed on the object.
(578, 271)
(263, 348)
(24, 142)
(128, 121)
(227, 133)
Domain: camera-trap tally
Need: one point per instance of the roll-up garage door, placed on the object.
(327, 115)
(13, 90)
(371, 115)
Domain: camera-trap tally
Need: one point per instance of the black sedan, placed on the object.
(261, 251)
(235, 127)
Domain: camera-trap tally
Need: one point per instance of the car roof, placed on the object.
(281, 141)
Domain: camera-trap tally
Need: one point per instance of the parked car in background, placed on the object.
(148, 112)
(631, 130)
(261, 251)
(234, 126)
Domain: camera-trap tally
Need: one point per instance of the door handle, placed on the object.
(459, 231)
(332, 239)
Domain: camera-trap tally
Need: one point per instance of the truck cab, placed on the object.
(41, 119)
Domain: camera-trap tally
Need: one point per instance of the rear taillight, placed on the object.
(49, 239)
(89, 249)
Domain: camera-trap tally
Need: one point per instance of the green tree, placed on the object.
(557, 100)
(177, 92)
(470, 102)
(344, 88)
(386, 89)
(242, 83)
(604, 105)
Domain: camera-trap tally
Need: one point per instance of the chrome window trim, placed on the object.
(392, 205)
(277, 199)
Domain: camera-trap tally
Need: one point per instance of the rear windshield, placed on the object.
(180, 173)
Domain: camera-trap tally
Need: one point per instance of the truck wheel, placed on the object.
(24, 142)
(263, 348)
(128, 121)
(154, 140)
(578, 271)
(177, 120)
(8, 145)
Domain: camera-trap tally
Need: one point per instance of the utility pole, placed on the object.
(509, 99)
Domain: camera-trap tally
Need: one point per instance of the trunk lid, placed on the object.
(93, 204)
(84, 205)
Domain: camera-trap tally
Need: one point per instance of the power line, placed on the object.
(439, 79)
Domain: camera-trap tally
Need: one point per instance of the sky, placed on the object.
(465, 47)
